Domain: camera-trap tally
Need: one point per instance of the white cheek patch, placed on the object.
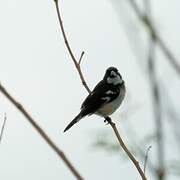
(110, 92)
(106, 98)
(116, 80)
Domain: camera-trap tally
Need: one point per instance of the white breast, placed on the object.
(117, 102)
(111, 107)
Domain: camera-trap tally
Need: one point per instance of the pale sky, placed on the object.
(37, 70)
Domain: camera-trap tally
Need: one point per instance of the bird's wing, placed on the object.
(101, 94)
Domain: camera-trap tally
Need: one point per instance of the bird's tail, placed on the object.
(74, 121)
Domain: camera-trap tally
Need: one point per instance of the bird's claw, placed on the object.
(107, 120)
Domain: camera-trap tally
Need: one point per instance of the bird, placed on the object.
(105, 98)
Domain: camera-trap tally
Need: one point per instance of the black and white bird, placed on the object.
(105, 98)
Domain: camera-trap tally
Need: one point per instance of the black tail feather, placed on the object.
(74, 121)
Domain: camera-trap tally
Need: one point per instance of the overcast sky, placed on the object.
(36, 69)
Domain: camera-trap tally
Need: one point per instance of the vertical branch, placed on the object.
(157, 111)
(156, 99)
(41, 132)
(145, 18)
(156, 108)
(2, 129)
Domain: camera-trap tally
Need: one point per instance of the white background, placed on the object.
(36, 69)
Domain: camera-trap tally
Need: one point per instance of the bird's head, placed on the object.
(112, 76)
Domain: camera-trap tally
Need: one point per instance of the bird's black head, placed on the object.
(112, 76)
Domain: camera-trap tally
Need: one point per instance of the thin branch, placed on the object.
(2, 129)
(152, 30)
(156, 101)
(172, 113)
(146, 158)
(131, 157)
(168, 54)
(80, 59)
(135, 162)
(157, 110)
(40, 131)
(69, 48)
(135, 138)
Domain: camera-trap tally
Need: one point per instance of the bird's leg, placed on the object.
(108, 120)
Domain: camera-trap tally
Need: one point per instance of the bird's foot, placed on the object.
(107, 120)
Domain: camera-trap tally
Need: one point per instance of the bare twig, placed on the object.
(135, 162)
(2, 129)
(69, 48)
(77, 65)
(80, 59)
(40, 131)
(146, 158)
(135, 138)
